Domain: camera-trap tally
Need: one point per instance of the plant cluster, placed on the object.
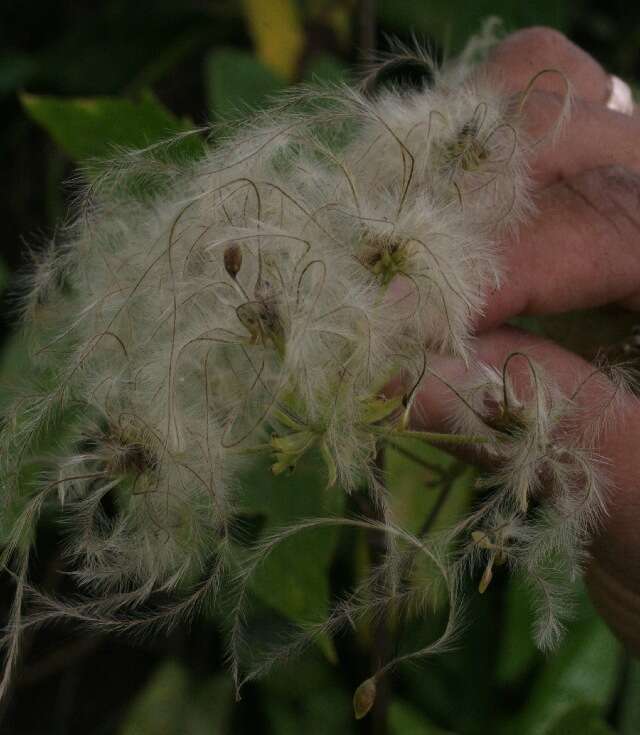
(200, 313)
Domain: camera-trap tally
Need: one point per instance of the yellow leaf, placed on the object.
(337, 16)
(277, 34)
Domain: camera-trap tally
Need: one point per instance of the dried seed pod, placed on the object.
(364, 698)
(233, 260)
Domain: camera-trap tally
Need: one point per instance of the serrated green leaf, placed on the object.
(237, 82)
(96, 127)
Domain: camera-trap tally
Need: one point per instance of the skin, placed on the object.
(581, 250)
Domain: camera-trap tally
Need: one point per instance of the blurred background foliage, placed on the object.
(81, 80)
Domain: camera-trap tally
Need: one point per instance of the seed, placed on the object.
(233, 260)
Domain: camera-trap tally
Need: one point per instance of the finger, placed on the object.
(517, 59)
(614, 575)
(582, 250)
(436, 399)
(592, 136)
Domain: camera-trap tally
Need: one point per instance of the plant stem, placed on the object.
(408, 454)
(452, 475)
(435, 437)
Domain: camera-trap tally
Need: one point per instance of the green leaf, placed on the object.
(171, 703)
(405, 719)
(457, 689)
(326, 68)
(583, 671)
(293, 579)
(237, 82)
(19, 373)
(16, 362)
(178, 47)
(630, 706)
(580, 720)
(517, 651)
(416, 484)
(96, 127)
(307, 697)
(454, 688)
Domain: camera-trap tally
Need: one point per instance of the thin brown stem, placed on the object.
(367, 28)
(382, 643)
(415, 457)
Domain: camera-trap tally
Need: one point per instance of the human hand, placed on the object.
(581, 250)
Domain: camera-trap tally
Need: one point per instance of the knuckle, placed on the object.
(620, 184)
(541, 41)
(614, 192)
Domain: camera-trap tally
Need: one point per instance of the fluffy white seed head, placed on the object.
(257, 299)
